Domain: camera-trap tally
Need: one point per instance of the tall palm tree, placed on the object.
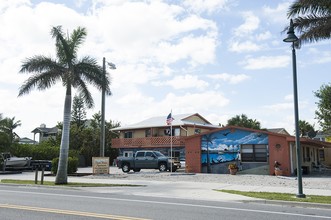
(312, 18)
(73, 73)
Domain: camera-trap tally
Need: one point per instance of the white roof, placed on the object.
(160, 121)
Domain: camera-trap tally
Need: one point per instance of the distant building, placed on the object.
(155, 134)
(45, 133)
(278, 130)
(26, 140)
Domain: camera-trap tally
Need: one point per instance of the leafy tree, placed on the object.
(72, 73)
(7, 134)
(323, 112)
(78, 114)
(312, 18)
(243, 121)
(86, 140)
(306, 129)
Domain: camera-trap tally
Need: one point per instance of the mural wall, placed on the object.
(225, 146)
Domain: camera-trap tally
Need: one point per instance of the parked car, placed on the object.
(147, 160)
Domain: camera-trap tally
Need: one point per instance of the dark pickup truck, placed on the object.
(147, 160)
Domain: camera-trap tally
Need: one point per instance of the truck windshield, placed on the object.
(158, 154)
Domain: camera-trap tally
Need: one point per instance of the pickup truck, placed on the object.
(147, 160)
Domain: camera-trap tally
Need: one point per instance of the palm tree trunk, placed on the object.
(61, 175)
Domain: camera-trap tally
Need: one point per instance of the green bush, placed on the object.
(42, 151)
(72, 165)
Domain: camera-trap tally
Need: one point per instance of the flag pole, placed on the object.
(171, 143)
(169, 122)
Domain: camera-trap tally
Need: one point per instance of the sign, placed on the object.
(100, 165)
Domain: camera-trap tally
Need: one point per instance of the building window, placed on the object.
(321, 154)
(175, 132)
(147, 132)
(128, 134)
(197, 131)
(254, 153)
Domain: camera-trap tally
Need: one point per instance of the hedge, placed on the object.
(72, 165)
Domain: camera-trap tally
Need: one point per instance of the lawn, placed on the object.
(282, 196)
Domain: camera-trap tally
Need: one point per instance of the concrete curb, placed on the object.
(290, 203)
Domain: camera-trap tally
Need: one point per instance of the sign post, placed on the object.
(100, 165)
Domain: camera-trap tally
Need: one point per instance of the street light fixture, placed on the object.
(102, 133)
(291, 38)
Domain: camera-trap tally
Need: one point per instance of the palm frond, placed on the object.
(76, 39)
(63, 49)
(85, 94)
(41, 81)
(321, 7)
(39, 64)
(91, 72)
(312, 19)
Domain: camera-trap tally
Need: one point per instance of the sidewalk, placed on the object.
(180, 185)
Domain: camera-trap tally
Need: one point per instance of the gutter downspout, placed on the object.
(183, 129)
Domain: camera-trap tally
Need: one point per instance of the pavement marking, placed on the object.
(70, 212)
(173, 203)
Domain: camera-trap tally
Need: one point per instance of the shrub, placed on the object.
(232, 166)
(72, 165)
(42, 151)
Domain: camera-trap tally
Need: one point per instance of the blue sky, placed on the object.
(218, 58)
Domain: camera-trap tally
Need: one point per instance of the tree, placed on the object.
(73, 73)
(306, 129)
(78, 113)
(312, 18)
(243, 121)
(7, 134)
(8, 125)
(323, 112)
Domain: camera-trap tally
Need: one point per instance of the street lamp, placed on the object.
(102, 133)
(291, 38)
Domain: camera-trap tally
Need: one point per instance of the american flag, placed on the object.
(169, 119)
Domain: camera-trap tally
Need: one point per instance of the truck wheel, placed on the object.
(162, 167)
(126, 168)
(136, 170)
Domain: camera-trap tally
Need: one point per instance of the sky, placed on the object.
(218, 58)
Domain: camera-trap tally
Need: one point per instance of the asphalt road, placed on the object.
(38, 202)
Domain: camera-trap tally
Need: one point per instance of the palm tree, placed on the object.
(306, 129)
(312, 18)
(73, 73)
(8, 125)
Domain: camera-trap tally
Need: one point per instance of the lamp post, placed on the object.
(102, 133)
(291, 38)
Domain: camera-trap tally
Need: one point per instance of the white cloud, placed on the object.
(231, 78)
(263, 36)
(318, 56)
(251, 23)
(266, 62)
(278, 14)
(196, 102)
(184, 82)
(246, 46)
(208, 6)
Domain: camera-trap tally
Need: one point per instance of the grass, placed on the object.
(49, 183)
(281, 196)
